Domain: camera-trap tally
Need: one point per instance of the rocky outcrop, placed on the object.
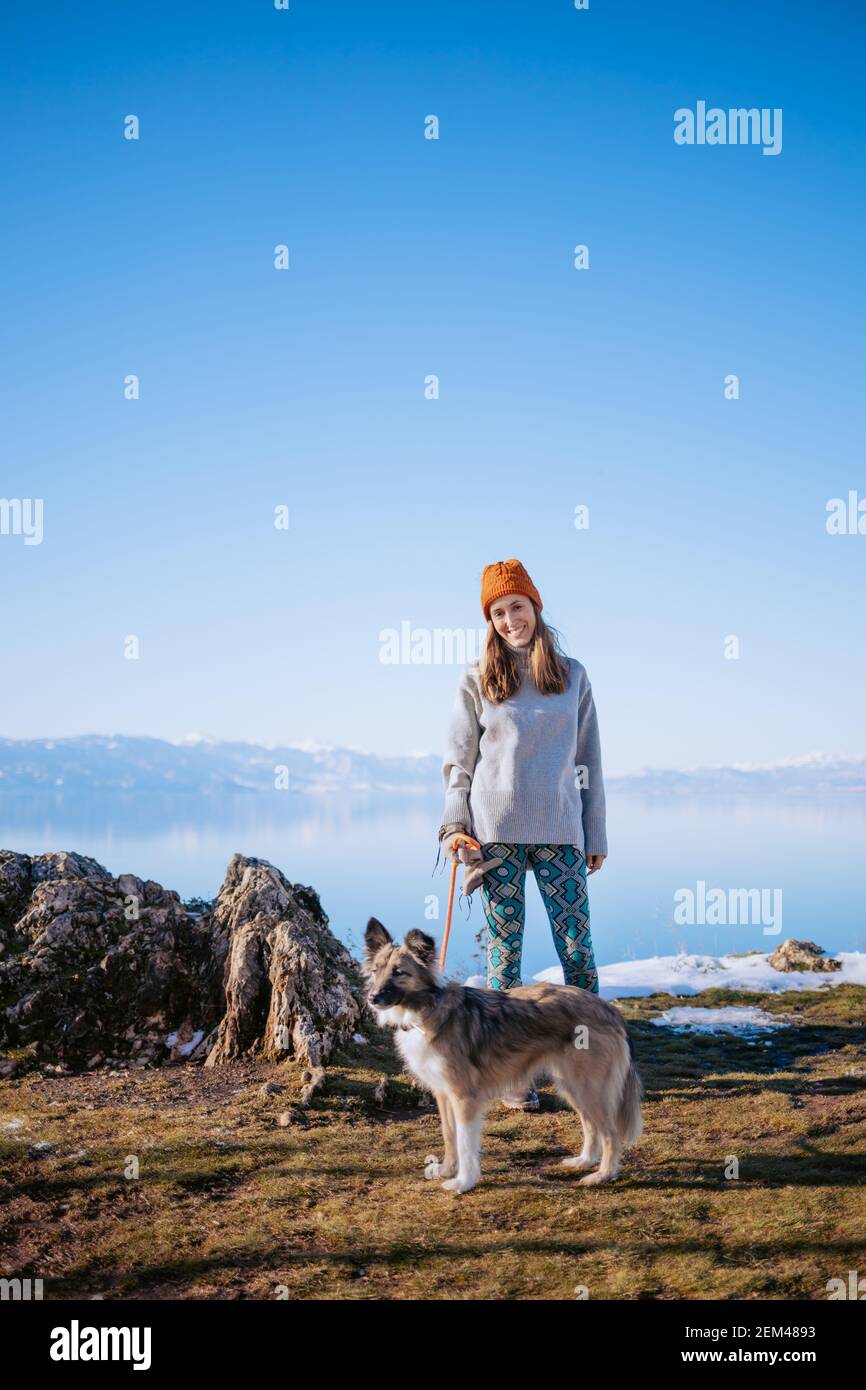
(95, 968)
(99, 970)
(802, 955)
(291, 988)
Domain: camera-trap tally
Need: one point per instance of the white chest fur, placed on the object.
(420, 1058)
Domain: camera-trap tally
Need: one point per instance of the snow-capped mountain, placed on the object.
(102, 763)
(810, 775)
(105, 763)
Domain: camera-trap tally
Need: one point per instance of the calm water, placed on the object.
(377, 857)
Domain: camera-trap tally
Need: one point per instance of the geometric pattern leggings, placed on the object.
(560, 872)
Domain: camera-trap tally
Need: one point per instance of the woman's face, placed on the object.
(514, 619)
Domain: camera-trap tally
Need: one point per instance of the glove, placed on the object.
(475, 866)
(446, 835)
(474, 872)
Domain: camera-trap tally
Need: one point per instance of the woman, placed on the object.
(523, 776)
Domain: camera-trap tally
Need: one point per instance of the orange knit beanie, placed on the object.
(505, 577)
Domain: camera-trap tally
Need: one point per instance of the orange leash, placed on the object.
(466, 840)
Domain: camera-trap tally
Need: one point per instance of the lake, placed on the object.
(376, 857)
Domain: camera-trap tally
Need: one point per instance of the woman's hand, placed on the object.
(463, 854)
(594, 862)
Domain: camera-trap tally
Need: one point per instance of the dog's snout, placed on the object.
(384, 997)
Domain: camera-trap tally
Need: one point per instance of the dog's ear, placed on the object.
(421, 945)
(375, 937)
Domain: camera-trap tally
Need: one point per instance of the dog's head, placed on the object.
(403, 978)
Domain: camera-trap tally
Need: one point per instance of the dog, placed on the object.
(468, 1046)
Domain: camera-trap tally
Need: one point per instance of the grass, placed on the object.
(227, 1204)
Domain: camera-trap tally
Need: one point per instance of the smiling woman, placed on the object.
(523, 776)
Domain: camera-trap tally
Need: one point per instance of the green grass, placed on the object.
(229, 1205)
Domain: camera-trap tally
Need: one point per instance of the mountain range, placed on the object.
(100, 763)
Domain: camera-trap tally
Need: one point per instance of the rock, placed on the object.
(92, 963)
(315, 1080)
(291, 988)
(802, 955)
(270, 1088)
(111, 972)
(381, 1090)
(291, 1117)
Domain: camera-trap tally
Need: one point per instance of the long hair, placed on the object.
(499, 670)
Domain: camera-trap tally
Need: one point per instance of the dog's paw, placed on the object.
(578, 1161)
(458, 1185)
(434, 1169)
(593, 1179)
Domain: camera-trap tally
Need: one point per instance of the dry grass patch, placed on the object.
(227, 1204)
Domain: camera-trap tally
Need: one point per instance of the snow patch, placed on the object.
(185, 1048)
(736, 1019)
(688, 973)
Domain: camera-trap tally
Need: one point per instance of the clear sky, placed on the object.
(410, 257)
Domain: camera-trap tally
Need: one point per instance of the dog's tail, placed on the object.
(629, 1117)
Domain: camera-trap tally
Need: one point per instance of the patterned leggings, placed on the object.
(560, 872)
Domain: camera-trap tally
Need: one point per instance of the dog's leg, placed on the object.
(590, 1154)
(568, 1087)
(448, 1167)
(610, 1151)
(603, 1107)
(469, 1116)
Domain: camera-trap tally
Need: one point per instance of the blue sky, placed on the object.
(409, 257)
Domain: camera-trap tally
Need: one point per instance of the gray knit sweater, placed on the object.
(528, 770)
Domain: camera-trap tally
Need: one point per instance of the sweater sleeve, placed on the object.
(588, 762)
(461, 754)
